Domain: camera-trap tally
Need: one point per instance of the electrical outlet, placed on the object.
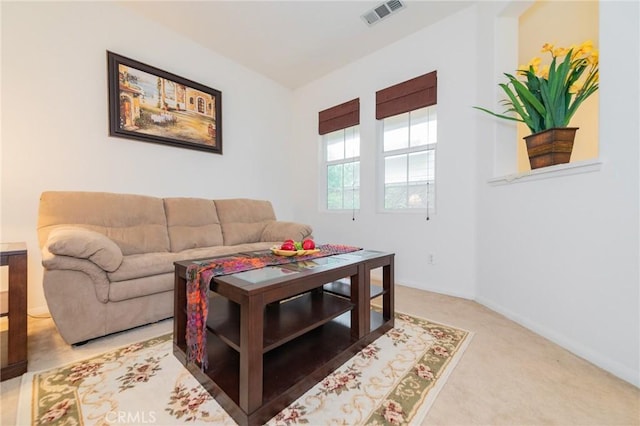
(432, 258)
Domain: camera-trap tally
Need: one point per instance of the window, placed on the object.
(339, 128)
(408, 160)
(342, 168)
(409, 137)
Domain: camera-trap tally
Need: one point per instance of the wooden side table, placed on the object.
(14, 341)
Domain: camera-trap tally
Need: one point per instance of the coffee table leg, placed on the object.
(179, 315)
(251, 338)
(359, 297)
(388, 311)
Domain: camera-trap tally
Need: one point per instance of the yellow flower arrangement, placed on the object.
(549, 96)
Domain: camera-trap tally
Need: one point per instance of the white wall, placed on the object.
(449, 234)
(561, 255)
(55, 122)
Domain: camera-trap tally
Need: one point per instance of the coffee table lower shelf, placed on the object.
(289, 370)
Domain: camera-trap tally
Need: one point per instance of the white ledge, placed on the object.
(558, 170)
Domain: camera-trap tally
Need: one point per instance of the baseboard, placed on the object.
(445, 291)
(572, 346)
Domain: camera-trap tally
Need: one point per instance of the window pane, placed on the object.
(431, 194)
(418, 163)
(351, 199)
(343, 186)
(335, 145)
(351, 174)
(433, 125)
(419, 130)
(334, 199)
(334, 177)
(417, 196)
(356, 174)
(352, 142)
(351, 185)
(395, 196)
(431, 166)
(334, 186)
(395, 169)
(396, 132)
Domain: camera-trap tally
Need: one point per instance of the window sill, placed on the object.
(559, 170)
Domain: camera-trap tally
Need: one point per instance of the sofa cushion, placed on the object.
(139, 266)
(142, 265)
(243, 220)
(192, 223)
(139, 287)
(136, 223)
(85, 244)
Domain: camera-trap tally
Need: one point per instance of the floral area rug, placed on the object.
(394, 380)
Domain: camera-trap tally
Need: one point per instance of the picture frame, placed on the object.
(152, 105)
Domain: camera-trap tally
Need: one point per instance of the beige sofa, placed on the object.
(108, 258)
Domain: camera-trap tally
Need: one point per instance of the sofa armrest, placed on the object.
(280, 231)
(85, 244)
(98, 276)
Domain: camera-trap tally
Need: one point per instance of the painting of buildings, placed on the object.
(158, 107)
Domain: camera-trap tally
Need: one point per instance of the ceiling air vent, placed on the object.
(382, 11)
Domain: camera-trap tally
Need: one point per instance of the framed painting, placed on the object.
(151, 105)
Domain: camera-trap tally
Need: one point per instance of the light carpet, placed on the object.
(394, 380)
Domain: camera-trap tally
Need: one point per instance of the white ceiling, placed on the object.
(292, 42)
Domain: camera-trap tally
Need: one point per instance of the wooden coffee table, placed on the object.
(273, 333)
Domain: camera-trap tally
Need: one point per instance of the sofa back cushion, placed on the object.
(243, 220)
(136, 223)
(192, 223)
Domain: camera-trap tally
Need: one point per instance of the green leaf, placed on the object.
(534, 108)
(506, 117)
(525, 95)
(519, 110)
(549, 120)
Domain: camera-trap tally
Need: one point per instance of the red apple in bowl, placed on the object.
(287, 246)
(308, 244)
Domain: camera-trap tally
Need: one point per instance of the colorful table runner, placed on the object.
(199, 275)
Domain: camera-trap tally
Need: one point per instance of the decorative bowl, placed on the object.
(278, 252)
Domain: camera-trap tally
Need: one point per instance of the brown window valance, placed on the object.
(339, 117)
(412, 94)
